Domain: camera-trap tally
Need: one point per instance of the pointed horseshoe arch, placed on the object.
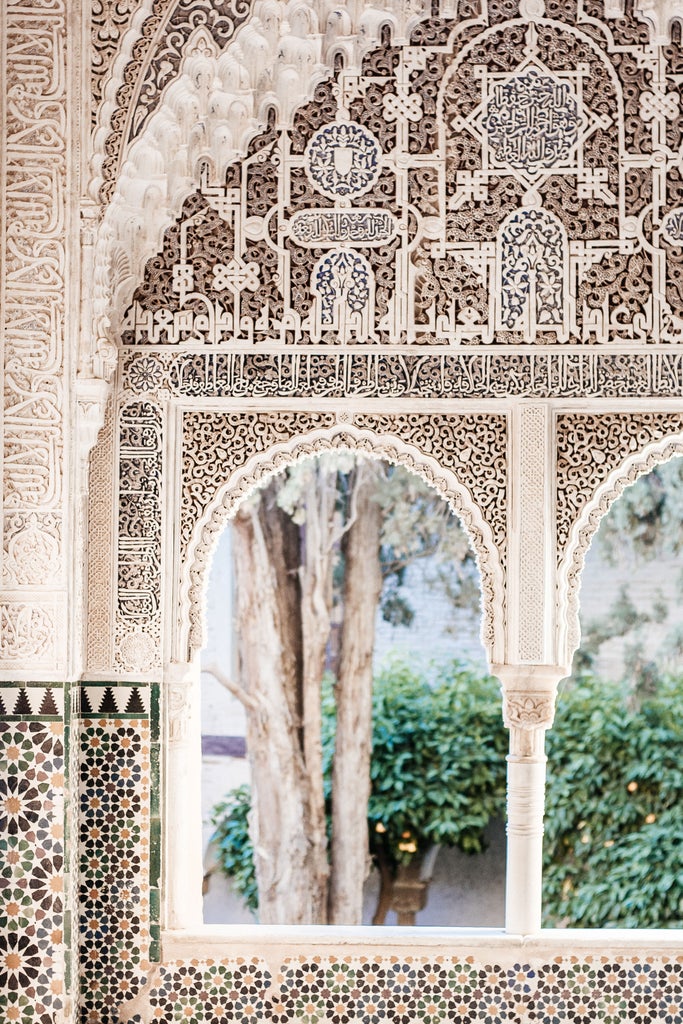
(586, 526)
(194, 567)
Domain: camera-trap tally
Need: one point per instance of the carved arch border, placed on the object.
(489, 549)
(127, 68)
(570, 568)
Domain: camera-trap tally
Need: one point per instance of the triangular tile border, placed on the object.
(108, 700)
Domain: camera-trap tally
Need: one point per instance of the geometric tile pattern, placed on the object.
(211, 990)
(623, 989)
(114, 882)
(340, 990)
(31, 864)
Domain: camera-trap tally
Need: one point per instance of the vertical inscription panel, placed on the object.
(34, 190)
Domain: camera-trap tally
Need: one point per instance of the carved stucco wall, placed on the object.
(450, 233)
(34, 582)
(469, 248)
(33, 240)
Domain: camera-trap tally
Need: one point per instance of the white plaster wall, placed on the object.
(220, 774)
(222, 714)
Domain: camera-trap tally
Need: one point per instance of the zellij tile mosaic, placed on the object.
(412, 990)
(32, 861)
(114, 862)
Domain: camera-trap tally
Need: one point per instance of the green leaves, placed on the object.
(233, 845)
(614, 824)
(438, 761)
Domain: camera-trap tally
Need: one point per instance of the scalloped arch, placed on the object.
(585, 528)
(343, 436)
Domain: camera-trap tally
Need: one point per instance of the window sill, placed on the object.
(275, 942)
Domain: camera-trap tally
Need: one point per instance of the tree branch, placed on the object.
(233, 688)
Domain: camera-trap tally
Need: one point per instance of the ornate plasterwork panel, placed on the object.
(531, 572)
(32, 237)
(224, 455)
(597, 456)
(138, 48)
(156, 31)
(139, 553)
(101, 555)
(475, 212)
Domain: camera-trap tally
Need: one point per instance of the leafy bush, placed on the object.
(614, 825)
(438, 760)
(233, 845)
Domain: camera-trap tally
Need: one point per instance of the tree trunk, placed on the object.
(351, 770)
(291, 889)
(316, 611)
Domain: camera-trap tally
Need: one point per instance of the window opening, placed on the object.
(613, 819)
(298, 565)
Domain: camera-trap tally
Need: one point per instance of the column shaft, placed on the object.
(525, 803)
(182, 798)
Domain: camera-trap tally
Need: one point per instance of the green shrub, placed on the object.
(614, 808)
(233, 846)
(438, 759)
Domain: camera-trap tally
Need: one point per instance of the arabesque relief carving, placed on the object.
(462, 168)
(101, 556)
(139, 555)
(33, 226)
(326, 233)
(420, 203)
(591, 446)
(472, 211)
(464, 457)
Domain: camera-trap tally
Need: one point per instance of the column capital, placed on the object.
(529, 694)
(180, 684)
